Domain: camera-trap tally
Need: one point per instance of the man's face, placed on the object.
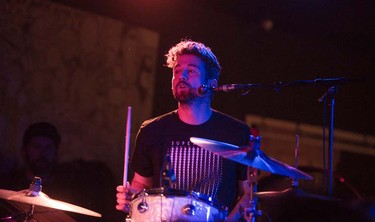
(40, 154)
(188, 76)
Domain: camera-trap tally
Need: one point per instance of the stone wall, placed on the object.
(77, 70)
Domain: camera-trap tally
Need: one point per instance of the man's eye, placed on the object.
(192, 71)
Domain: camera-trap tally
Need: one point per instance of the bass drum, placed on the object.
(175, 205)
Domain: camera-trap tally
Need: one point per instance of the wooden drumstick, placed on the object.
(127, 142)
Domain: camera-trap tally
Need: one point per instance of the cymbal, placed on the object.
(250, 157)
(43, 200)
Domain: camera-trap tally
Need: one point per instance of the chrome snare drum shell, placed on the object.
(159, 204)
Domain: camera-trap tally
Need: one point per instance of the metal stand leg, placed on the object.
(250, 212)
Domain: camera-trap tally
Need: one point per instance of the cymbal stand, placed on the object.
(250, 212)
(34, 189)
(295, 180)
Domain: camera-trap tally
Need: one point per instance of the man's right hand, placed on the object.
(125, 195)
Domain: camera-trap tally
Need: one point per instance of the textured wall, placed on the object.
(77, 70)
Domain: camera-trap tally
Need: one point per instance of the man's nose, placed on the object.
(184, 75)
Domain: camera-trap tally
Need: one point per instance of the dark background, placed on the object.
(309, 40)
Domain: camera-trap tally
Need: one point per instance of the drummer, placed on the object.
(193, 65)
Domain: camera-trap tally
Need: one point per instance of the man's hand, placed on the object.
(125, 195)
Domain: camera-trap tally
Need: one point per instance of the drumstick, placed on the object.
(127, 139)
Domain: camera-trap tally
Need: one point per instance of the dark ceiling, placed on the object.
(315, 19)
(309, 39)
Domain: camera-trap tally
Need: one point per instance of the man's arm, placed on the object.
(140, 182)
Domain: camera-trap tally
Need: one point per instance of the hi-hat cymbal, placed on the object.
(43, 200)
(250, 157)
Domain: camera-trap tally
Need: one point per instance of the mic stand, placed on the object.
(277, 86)
(331, 92)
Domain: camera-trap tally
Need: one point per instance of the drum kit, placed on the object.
(166, 204)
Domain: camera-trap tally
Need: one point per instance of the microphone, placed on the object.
(224, 88)
(168, 177)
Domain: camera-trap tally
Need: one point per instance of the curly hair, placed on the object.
(189, 47)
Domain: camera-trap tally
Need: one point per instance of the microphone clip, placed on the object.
(206, 89)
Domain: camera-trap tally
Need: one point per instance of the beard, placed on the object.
(185, 95)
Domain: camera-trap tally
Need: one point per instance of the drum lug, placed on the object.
(142, 207)
(189, 209)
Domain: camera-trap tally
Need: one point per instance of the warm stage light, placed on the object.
(267, 24)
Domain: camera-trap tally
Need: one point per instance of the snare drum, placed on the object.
(174, 205)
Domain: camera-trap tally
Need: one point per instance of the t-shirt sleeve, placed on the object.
(141, 162)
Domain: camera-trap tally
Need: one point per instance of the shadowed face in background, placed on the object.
(40, 155)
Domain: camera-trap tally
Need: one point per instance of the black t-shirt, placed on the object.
(196, 169)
